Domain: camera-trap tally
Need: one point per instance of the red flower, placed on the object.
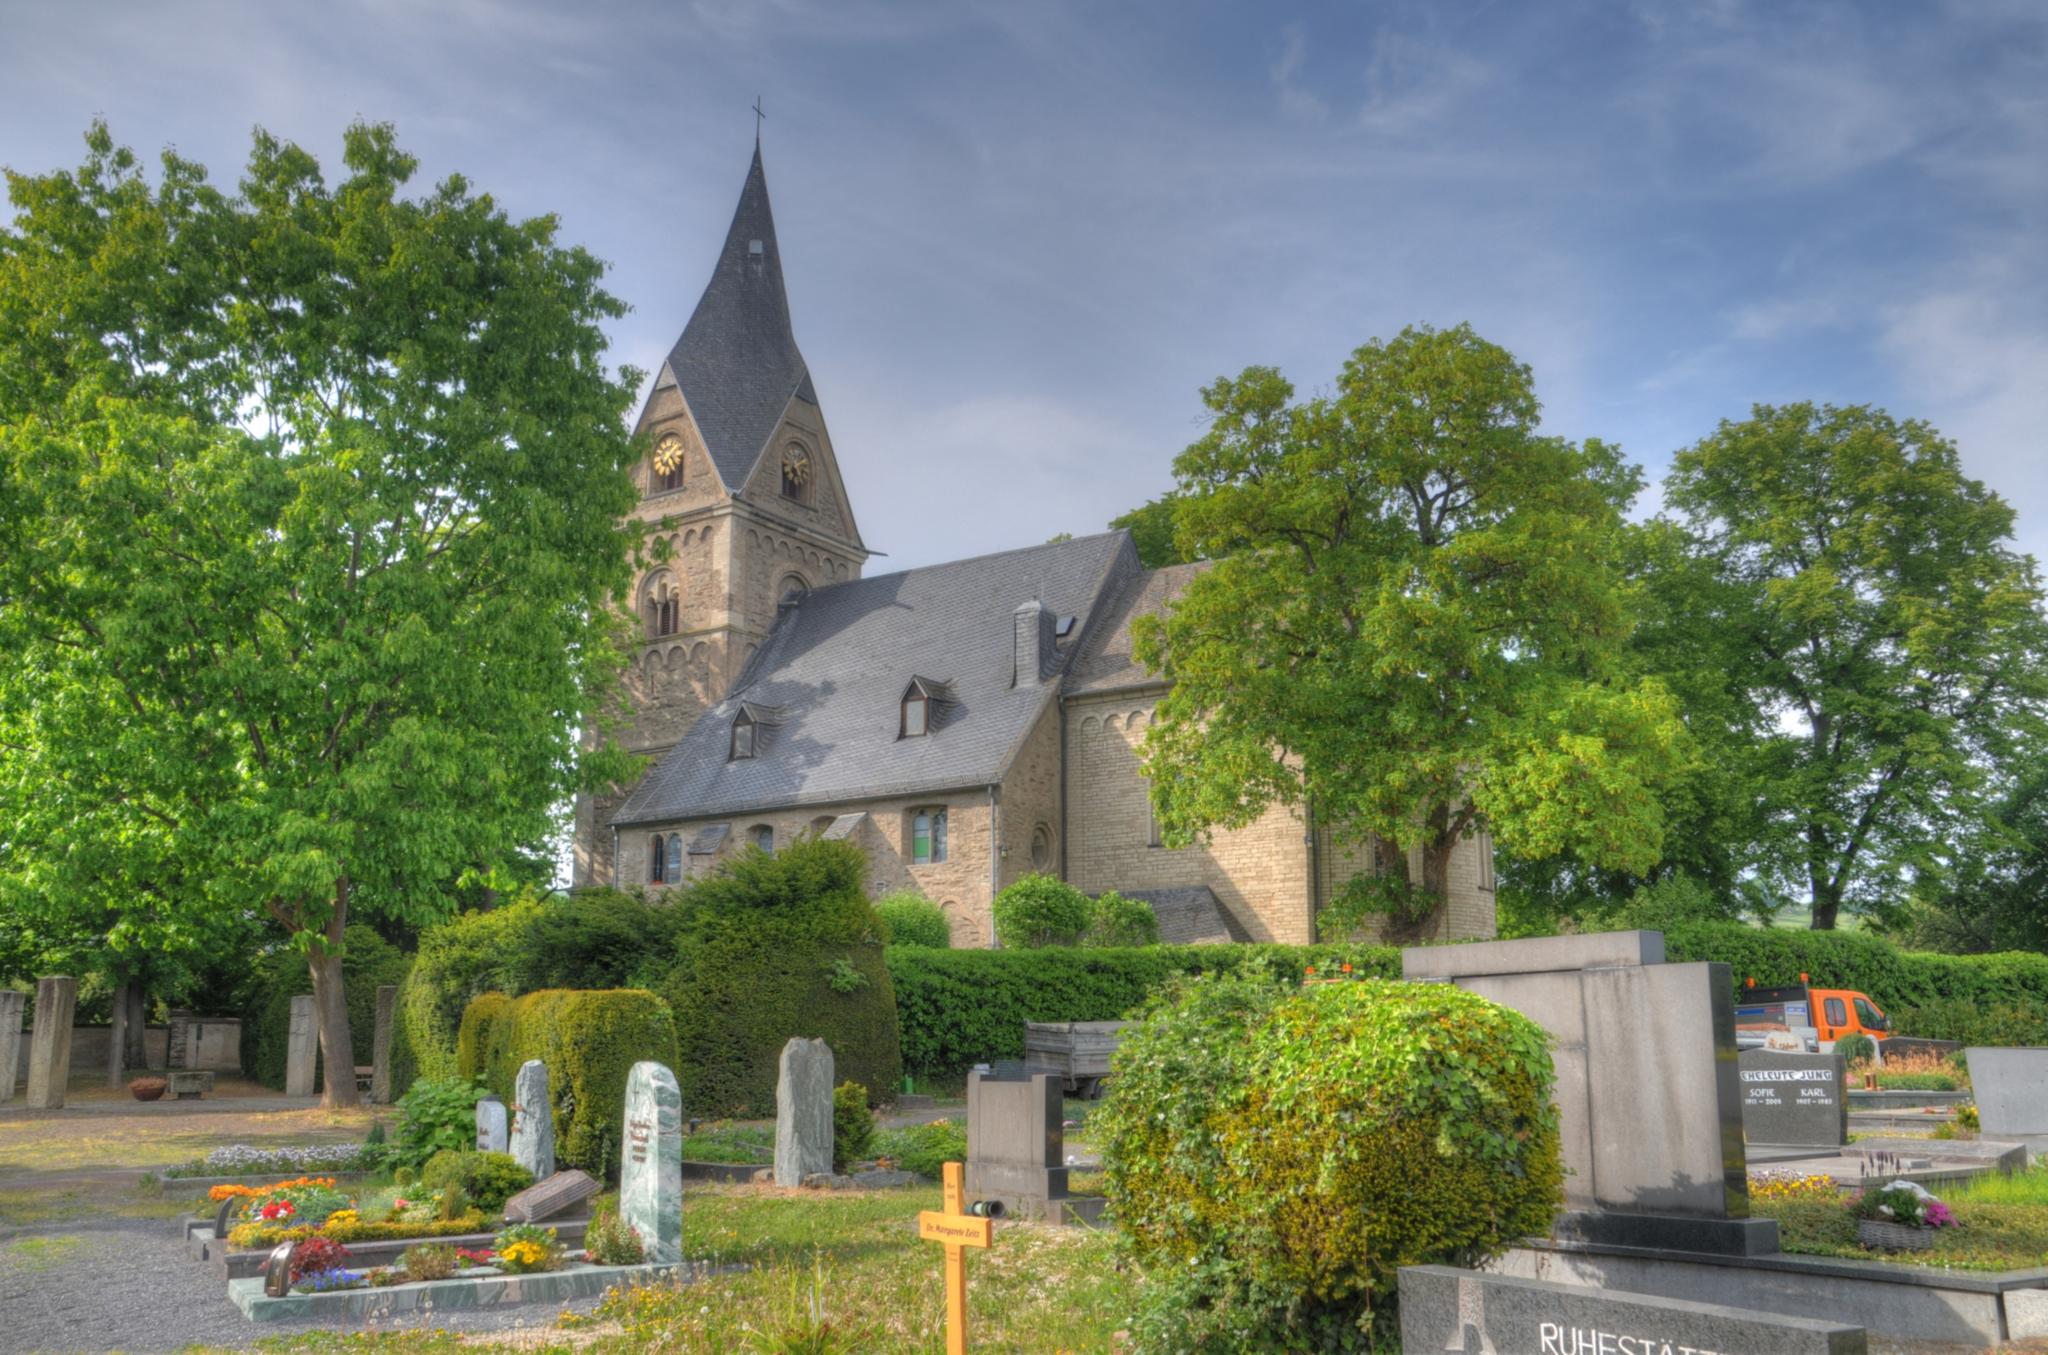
(1311, 969)
(278, 1209)
(1345, 968)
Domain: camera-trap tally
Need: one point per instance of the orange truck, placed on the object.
(1817, 1017)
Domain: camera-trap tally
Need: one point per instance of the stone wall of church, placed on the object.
(1260, 872)
(822, 509)
(1030, 803)
(1468, 913)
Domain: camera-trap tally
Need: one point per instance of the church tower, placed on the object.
(740, 485)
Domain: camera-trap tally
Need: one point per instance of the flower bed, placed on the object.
(255, 1235)
(244, 1159)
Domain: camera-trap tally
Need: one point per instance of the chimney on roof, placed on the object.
(1034, 644)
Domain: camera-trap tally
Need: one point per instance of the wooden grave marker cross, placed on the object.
(958, 1230)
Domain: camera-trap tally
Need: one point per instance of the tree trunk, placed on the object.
(1436, 882)
(330, 1010)
(1827, 907)
(117, 1036)
(1823, 895)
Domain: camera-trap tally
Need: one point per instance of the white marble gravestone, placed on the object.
(533, 1121)
(491, 1136)
(803, 1112)
(651, 1162)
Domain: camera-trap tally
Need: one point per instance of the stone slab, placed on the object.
(184, 1083)
(11, 1004)
(49, 1054)
(492, 1132)
(462, 1291)
(2012, 1091)
(302, 1048)
(2026, 1314)
(1016, 1144)
(1476, 1312)
(1793, 1098)
(551, 1198)
(651, 1161)
(803, 1111)
(1536, 955)
(533, 1120)
(1673, 1232)
(380, 1043)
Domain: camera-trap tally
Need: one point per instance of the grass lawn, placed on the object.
(2004, 1226)
(160, 1135)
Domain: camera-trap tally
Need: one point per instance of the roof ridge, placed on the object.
(985, 555)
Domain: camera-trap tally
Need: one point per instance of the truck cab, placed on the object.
(1815, 1017)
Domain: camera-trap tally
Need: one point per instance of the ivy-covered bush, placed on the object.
(775, 946)
(1041, 910)
(1114, 920)
(367, 961)
(589, 1042)
(1275, 1155)
(957, 1008)
(910, 919)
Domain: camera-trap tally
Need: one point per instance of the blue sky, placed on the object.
(1020, 236)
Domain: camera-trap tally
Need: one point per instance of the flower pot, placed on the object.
(1893, 1236)
(146, 1088)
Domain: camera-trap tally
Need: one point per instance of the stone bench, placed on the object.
(187, 1083)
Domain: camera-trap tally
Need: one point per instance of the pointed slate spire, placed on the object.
(737, 362)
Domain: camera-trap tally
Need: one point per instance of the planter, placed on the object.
(147, 1088)
(1893, 1236)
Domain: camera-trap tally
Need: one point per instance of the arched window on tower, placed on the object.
(796, 474)
(665, 859)
(662, 605)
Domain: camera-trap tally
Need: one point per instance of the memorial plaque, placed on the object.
(1793, 1099)
(552, 1198)
(533, 1120)
(651, 1161)
(491, 1134)
(803, 1112)
(1477, 1313)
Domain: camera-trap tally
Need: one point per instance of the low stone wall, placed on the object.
(217, 1047)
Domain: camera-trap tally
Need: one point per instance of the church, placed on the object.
(965, 724)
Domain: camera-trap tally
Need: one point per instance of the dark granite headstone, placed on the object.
(1015, 1146)
(1793, 1098)
(1476, 1313)
(552, 1198)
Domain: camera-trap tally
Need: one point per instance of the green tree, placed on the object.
(309, 506)
(1415, 626)
(1151, 528)
(1867, 647)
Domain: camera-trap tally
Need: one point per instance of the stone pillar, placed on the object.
(490, 1125)
(178, 1048)
(138, 1055)
(651, 1162)
(533, 1121)
(10, 1041)
(302, 1050)
(49, 1055)
(380, 1044)
(803, 1112)
(117, 1037)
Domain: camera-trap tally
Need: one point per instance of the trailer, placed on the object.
(1075, 1051)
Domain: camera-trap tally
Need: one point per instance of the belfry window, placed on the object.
(663, 605)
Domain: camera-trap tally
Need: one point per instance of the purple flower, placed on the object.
(1938, 1215)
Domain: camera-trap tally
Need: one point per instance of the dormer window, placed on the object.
(916, 713)
(742, 736)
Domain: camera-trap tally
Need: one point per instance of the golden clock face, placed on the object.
(668, 455)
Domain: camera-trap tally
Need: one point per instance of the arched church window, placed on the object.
(662, 605)
(675, 858)
(796, 474)
(668, 465)
(763, 837)
(928, 837)
(1041, 848)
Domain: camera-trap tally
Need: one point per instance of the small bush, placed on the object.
(488, 1179)
(436, 1115)
(1117, 921)
(1041, 910)
(611, 1241)
(910, 919)
(1966, 1118)
(432, 1261)
(853, 1125)
(455, 1204)
(925, 1148)
(527, 1247)
(1856, 1048)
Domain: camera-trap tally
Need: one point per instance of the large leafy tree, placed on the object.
(1864, 636)
(309, 520)
(1415, 625)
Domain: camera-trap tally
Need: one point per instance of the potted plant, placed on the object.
(147, 1088)
(1901, 1216)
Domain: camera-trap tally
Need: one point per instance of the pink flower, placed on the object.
(1939, 1216)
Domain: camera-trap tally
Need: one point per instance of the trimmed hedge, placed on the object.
(367, 960)
(589, 1041)
(956, 1008)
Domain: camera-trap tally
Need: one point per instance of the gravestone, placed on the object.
(491, 1135)
(1016, 1145)
(11, 1003)
(49, 1052)
(1649, 1105)
(552, 1198)
(302, 1048)
(651, 1162)
(1478, 1313)
(2011, 1087)
(533, 1120)
(803, 1112)
(1793, 1099)
(380, 1043)
(117, 1037)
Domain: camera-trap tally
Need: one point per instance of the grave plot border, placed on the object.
(478, 1290)
(238, 1263)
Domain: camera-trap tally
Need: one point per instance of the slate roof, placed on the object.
(737, 361)
(834, 669)
(1105, 663)
(1190, 915)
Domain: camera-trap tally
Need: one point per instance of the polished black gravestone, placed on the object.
(1793, 1100)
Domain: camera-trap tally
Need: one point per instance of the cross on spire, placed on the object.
(759, 118)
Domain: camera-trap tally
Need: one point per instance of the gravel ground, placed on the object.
(110, 1283)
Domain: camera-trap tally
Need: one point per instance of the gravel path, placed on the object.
(109, 1283)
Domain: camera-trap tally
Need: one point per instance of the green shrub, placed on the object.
(910, 919)
(436, 1115)
(853, 1125)
(762, 952)
(611, 1241)
(924, 1148)
(1275, 1154)
(1856, 1047)
(465, 956)
(1041, 910)
(589, 1042)
(1915, 1082)
(367, 961)
(482, 1021)
(488, 1179)
(431, 1261)
(1114, 920)
(957, 1008)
